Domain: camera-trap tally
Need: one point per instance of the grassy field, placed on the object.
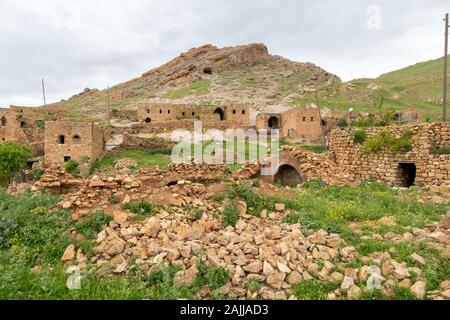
(33, 235)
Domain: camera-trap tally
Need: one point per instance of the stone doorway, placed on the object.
(288, 176)
(406, 175)
(221, 113)
(273, 123)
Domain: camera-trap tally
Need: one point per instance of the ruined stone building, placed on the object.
(295, 123)
(173, 116)
(22, 127)
(422, 164)
(347, 162)
(69, 140)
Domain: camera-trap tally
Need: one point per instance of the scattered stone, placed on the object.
(418, 289)
(69, 254)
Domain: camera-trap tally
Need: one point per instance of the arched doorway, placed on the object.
(287, 175)
(273, 123)
(221, 113)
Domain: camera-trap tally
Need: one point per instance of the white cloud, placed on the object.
(78, 44)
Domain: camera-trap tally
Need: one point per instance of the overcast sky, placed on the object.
(95, 43)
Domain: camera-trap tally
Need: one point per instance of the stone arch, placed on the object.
(3, 121)
(273, 123)
(288, 175)
(221, 113)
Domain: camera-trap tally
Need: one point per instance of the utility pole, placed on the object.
(444, 103)
(109, 109)
(43, 91)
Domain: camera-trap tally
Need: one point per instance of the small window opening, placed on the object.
(66, 158)
(61, 139)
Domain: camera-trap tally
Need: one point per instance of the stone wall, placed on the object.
(295, 123)
(131, 115)
(140, 142)
(217, 116)
(68, 140)
(392, 167)
(15, 126)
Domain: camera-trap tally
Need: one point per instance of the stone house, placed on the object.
(182, 115)
(23, 128)
(295, 123)
(69, 140)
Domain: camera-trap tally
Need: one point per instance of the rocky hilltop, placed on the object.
(208, 74)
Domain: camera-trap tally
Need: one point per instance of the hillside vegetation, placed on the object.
(249, 74)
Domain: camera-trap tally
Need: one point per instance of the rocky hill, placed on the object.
(244, 74)
(249, 74)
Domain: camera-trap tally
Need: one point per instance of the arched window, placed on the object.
(3, 121)
(193, 113)
(148, 110)
(76, 138)
(234, 111)
(221, 113)
(160, 111)
(61, 139)
(243, 111)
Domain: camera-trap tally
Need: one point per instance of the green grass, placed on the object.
(92, 224)
(142, 209)
(198, 88)
(159, 158)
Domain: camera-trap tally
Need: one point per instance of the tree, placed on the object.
(13, 157)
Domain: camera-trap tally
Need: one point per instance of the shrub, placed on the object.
(141, 209)
(93, 224)
(230, 215)
(13, 157)
(443, 150)
(403, 143)
(113, 199)
(360, 136)
(217, 277)
(195, 212)
(342, 123)
(37, 173)
(71, 167)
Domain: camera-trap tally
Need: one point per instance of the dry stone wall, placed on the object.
(392, 167)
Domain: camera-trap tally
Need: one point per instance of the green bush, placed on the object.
(13, 157)
(93, 224)
(342, 123)
(142, 209)
(195, 212)
(230, 215)
(217, 277)
(37, 174)
(113, 199)
(443, 150)
(402, 144)
(71, 167)
(360, 136)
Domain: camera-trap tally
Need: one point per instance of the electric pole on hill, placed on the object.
(444, 103)
(109, 109)
(43, 91)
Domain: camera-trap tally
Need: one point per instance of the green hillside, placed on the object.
(415, 87)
